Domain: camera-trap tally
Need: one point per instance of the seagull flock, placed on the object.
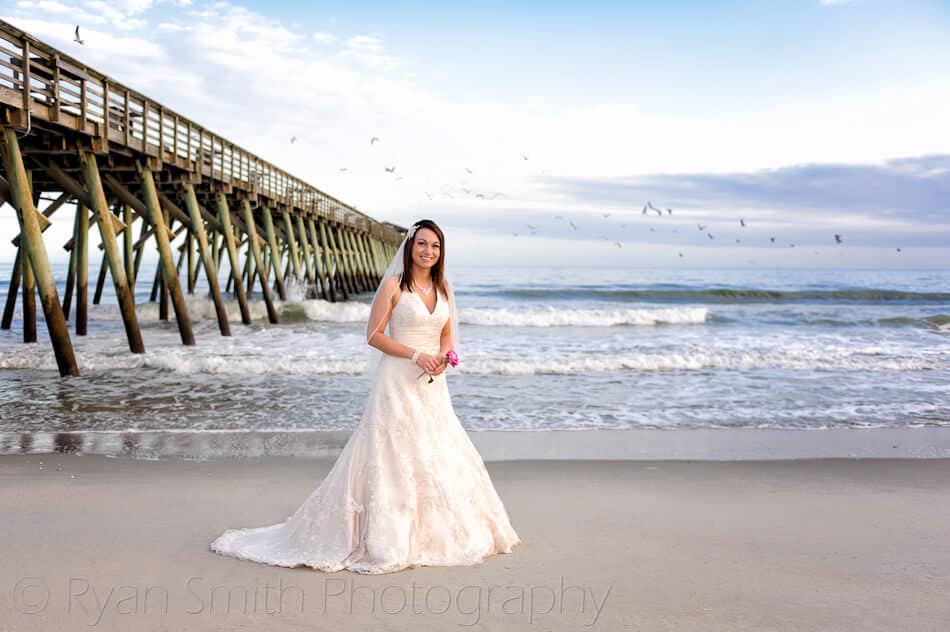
(533, 229)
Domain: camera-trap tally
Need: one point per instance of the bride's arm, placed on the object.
(445, 341)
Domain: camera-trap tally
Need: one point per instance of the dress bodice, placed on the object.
(411, 323)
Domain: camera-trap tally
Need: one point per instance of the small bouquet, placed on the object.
(451, 357)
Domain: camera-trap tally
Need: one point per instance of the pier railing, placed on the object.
(53, 86)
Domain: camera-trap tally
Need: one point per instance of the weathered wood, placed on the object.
(47, 212)
(305, 246)
(82, 270)
(274, 249)
(341, 267)
(13, 288)
(100, 279)
(224, 217)
(190, 250)
(36, 256)
(150, 197)
(292, 244)
(352, 269)
(328, 261)
(140, 249)
(211, 271)
(107, 232)
(71, 272)
(318, 263)
(255, 249)
(361, 258)
(127, 242)
(28, 311)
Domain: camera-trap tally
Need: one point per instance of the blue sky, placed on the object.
(803, 118)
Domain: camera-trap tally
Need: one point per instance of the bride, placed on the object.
(409, 488)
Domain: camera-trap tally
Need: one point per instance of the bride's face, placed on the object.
(426, 248)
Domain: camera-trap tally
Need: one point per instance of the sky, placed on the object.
(536, 134)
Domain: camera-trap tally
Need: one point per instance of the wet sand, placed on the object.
(93, 542)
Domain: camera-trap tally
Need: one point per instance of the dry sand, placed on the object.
(826, 545)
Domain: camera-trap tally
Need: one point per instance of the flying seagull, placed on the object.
(523, 156)
(644, 209)
(606, 215)
(390, 169)
(373, 139)
(837, 238)
(77, 38)
(619, 245)
(467, 169)
(573, 225)
(701, 227)
(669, 211)
(293, 139)
(742, 223)
(344, 169)
(773, 239)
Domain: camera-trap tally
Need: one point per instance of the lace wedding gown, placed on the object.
(408, 489)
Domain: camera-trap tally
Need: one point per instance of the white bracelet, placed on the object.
(415, 354)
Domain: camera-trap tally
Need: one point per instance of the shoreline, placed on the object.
(804, 545)
(700, 444)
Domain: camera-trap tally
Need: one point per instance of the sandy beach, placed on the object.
(111, 543)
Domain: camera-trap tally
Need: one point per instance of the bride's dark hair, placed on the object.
(438, 279)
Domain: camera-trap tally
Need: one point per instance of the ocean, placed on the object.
(541, 349)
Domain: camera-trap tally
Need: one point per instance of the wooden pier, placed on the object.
(74, 136)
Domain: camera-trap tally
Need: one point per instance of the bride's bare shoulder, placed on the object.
(392, 289)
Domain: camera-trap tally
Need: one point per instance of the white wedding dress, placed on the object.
(408, 489)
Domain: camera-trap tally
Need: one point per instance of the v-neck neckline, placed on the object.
(426, 307)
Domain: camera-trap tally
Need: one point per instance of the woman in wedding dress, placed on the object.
(409, 488)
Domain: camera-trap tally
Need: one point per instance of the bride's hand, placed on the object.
(442, 364)
(428, 363)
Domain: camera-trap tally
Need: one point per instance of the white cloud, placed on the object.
(257, 81)
(324, 37)
(368, 50)
(828, 3)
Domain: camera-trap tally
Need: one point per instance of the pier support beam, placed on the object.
(255, 250)
(198, 229)
(274, 249)
(305, 245)
(333, 260)
(36, 257)
(81, 245)
(352, 265)
(292, 243)
(108, 224)
(12, 288)
(167, 265)
(326, 290)
(224, 218)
